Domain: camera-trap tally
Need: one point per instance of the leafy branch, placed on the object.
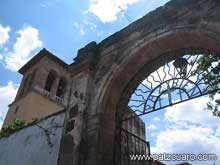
(209, 66)
(15, 126)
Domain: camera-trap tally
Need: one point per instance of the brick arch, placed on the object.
(122, 76)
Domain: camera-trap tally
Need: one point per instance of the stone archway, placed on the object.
(105, 74)
(115, 91)
(139, 52)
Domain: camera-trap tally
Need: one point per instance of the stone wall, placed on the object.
(34, 145)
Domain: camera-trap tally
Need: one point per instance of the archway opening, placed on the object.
(181, 77)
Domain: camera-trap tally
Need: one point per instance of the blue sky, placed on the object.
(63, 27)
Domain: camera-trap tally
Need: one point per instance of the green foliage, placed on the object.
(213, 106)
(209, 67)
(210, 72)
(15, 126)
(11, 128)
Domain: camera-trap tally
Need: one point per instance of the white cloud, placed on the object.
(27, 41)
(7, 94)
(152, 127)
(80, 28)
(153, 134)
(194, 140)
(1, 57)
(191, 130)
(107, 10)
(217, 132)
(91, 25)
(82, 31)
(156, 119)
(84, 26)
(4, 34)
(192, 111)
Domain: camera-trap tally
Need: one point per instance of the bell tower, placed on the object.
(43, 90)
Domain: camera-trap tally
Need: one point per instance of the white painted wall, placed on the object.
(31, 145)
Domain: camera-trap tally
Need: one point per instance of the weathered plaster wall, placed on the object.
(33, 145)
(28, 108)
(74, 147)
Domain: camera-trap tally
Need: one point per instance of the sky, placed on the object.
(63, 27)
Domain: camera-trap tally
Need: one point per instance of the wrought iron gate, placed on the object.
(185, 78)
(133, 150)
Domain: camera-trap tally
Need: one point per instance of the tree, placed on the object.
(209, 67)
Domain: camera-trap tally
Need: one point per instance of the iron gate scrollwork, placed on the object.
(175, 82)
(187, 77)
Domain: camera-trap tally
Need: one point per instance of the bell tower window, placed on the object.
(50, 80)
(61, 88)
